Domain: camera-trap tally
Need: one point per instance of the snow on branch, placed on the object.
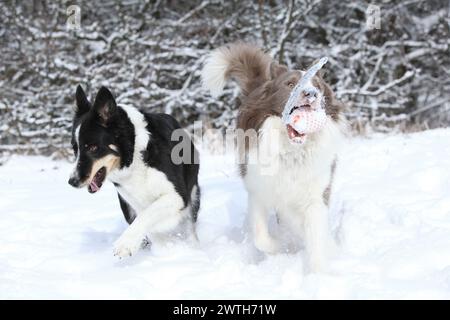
(193, 11)
(150, 55)
(381, 89)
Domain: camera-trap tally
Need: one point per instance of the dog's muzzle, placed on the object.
(74, 182)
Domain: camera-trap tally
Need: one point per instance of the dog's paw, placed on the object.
(267, 245)
(126, 246)
(316, 263)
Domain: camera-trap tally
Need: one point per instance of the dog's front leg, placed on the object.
(316, 235)
(161, 216)
(262, 239)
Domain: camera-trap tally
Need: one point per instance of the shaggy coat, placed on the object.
(291, 180)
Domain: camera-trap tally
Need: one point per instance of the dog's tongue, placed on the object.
(93, 186)
(292, 133)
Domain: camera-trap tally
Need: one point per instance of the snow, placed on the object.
(390, 214)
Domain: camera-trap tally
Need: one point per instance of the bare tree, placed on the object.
(150, 54)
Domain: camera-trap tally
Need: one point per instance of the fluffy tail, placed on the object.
(245, 63)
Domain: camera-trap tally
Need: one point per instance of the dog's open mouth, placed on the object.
(97, 181)
(294, 135)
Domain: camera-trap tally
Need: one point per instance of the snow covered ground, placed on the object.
(390, 214)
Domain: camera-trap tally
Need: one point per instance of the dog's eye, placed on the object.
(91, 147)
(291, 85)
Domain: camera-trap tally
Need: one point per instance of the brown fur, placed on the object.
(265, 84)
(110, 162)
(248, 65)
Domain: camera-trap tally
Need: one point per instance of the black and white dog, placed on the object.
(133, 149)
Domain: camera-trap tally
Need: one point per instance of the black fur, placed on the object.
(127, 210)
(158, 155)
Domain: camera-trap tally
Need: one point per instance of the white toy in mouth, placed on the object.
(304, 121)
(299, 115)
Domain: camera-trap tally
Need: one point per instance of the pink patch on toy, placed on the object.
(296, 118)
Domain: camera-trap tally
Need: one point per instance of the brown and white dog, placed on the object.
(298, 189)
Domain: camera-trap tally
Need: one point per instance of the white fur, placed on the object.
(213, 72)
(291, 179)
(113, 147)
(158, 207)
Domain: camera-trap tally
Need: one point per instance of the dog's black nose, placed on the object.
(74, 182)
(310, 94)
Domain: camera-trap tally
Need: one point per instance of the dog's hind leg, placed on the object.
(195, 207)
(191, 233)
(162, 216)
(195, 202)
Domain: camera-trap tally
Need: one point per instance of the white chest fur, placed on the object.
(288, 176)
(139, 184)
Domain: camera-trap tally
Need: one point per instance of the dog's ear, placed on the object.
(277, 69)
(82, 103)
(104, 105)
